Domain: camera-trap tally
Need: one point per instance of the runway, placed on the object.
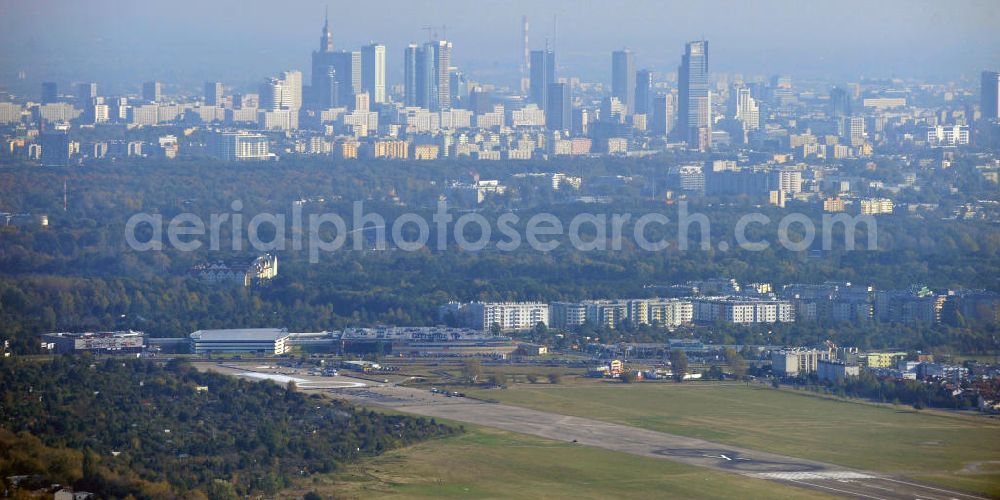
(822, 477)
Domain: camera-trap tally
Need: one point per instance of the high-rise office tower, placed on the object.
(780, 90)
(643, 91)
(425, 76)
(623, 78)
(990, 99)
(55, 147)
(744, 108)
(373, 71)
(85, 94)
(410, 74)
(282, 93)
(430, 77)
(50, 92)
(458, 85)
(151, 91)
(337, 87)
(271, 94)
(840, 103)
(292, 99)
(694, 106)
(543, 74)
(213, 93)
(662, 114)
(441, 96)
(854, 130)
(480, 101)
(559, 109)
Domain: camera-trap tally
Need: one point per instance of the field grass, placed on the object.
(489, 463)
(960, 451)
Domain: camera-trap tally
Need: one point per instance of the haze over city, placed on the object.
(309, 250)
(119, 43)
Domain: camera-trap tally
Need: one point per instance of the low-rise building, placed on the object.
(836, 370)
(262, 340)
(120, 342)
(256, 271)
(526, 349)
(795, 362)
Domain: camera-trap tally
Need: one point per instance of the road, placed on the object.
(827, 478)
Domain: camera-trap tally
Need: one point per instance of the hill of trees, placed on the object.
(136, 427)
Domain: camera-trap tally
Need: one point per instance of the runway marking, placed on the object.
(846, 492)
(935, 489)
(793, 476)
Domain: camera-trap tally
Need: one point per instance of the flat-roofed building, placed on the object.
(120, 342)
(742, 310)
(508, 316)
(794, 362)
(264, 340)
(833, 370)
(240, 146)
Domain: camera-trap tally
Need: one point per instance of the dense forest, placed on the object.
(135, 427)
(79, 273)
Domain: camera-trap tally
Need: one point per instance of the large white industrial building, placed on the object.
(263, 340)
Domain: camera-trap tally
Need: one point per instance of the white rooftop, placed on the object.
(233, 334)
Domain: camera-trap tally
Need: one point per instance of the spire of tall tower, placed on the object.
(326, 41)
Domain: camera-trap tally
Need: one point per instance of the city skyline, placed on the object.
(159, 45)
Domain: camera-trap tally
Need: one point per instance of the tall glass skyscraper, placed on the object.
(559, 109)
(542, 74)
(410, 74)
(373, 71)
(623, 78)
(643, 91)
(990, 98)
(694, 107)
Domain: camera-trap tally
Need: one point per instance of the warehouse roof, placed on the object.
(238, 334)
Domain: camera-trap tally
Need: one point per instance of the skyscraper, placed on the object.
(543, 74)
(55, 147)
(281, 100)
(694, 106)
(643, 91)
(283, 92)
(410, 74)
(50, 92)
(623, 78)
(990, 98)
(373, 71)
(151, 91)
(441, 95)
(744, 108)
(559, 109)
(430, 76)
(662, 114)
(840, 103)
(336, 75)
(86, 92)
(213, 93)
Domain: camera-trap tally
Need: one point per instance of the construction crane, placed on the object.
(432, 34)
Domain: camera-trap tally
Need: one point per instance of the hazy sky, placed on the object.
(119, 43)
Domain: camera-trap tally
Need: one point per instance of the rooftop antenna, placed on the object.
(526, 62)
